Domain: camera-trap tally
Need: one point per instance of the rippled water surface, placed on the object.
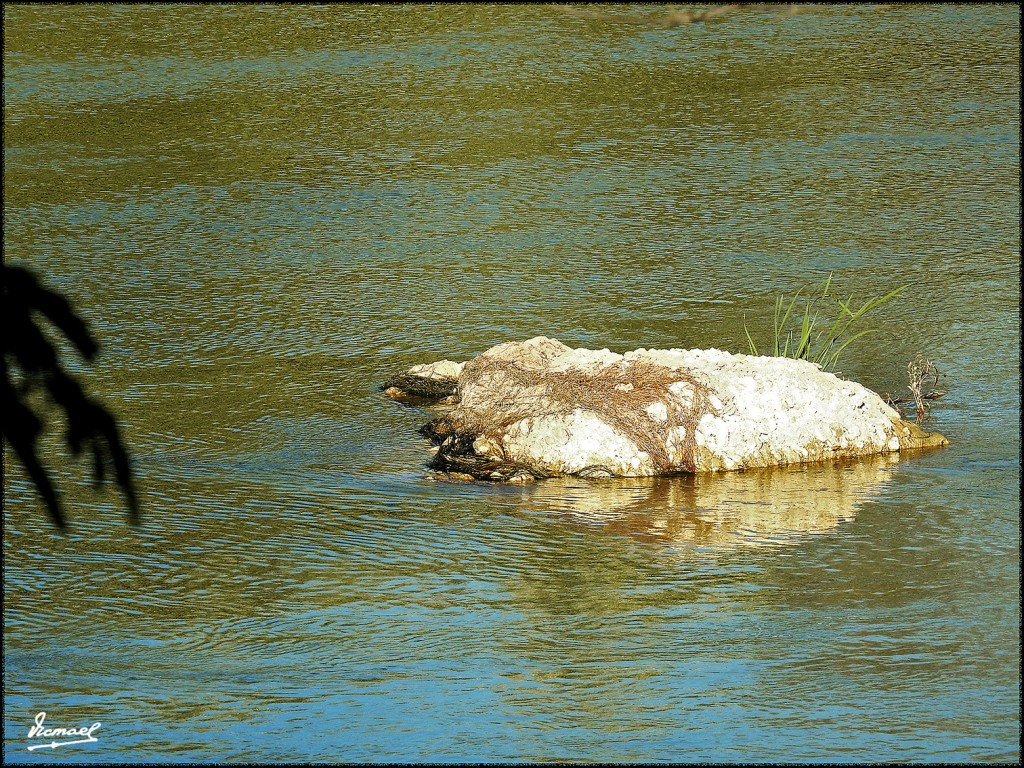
(263, 211)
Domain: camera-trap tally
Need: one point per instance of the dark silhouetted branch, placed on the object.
(89, 424)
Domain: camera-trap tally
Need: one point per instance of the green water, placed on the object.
(263, 211)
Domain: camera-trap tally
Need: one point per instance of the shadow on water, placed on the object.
(28, 350)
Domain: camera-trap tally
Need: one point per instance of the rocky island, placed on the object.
(539, 408)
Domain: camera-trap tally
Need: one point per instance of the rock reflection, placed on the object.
(731, 510)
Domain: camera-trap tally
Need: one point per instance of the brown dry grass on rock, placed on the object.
(505, 392)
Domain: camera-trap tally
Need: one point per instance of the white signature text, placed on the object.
(39, 730)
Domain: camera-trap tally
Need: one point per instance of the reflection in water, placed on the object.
(736, 509)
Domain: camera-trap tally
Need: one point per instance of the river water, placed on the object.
(263, 211)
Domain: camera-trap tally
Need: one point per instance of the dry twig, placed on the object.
(921, 370)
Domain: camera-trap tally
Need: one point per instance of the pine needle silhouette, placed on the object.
(89, 424)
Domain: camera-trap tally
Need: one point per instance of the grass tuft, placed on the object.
(813, 337)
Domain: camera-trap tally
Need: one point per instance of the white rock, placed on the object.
(562, 411)
(443, 369)
(568, 444)
(486, 446)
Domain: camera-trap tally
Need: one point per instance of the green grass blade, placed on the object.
(781, 324)
(806, 328)
(750, 341)
(827, 284)
(835, 355)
